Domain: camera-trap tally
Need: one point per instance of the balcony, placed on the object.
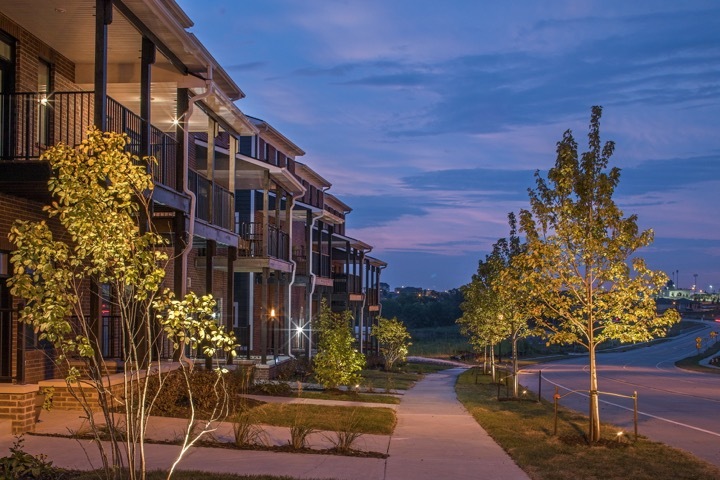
(321, 265)
(347, 284)
(251, 241)
(39, 121)
(214, 204)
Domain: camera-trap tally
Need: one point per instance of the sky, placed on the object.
(430, 118)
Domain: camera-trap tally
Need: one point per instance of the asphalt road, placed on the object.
(676, 407)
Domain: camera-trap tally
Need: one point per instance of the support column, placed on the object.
(265, 215)
(210, 172)
(230, 295)
(181, 161)
(279, 314)
(210, 249)
(103, 18)
(179, 268)
(264, 315)
(147, 58)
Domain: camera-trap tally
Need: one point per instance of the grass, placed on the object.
(693, 362)
(438, 342)
(371, 420)
(351, 397)
(382, 380)
(525, 430)
(181, 475)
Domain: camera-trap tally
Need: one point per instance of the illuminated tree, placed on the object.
(581, 262)
(393, 337)
(102, 195)
(337, 362)
(496, 306)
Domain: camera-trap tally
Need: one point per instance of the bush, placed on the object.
(276, 389)
(21, 465)
(337, 361)
(173, 399)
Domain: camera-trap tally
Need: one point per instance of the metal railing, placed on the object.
(40, 120)
(251, 241)
(344, 283)
(321, 264)
(217, 209)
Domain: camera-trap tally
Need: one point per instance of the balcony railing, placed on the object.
(217, 208)
(251, 241)
(344, 283)
(40, 121)
(321, 265)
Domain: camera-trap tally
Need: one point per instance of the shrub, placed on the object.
(22, 465)
(337, 361)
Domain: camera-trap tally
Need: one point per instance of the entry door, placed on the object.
(5, 323)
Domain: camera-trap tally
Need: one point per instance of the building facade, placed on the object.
(247, 222)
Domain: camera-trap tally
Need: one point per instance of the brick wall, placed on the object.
(30, 50)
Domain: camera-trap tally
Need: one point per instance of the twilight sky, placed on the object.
(430, 117)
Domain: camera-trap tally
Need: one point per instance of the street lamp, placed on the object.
(273, 317)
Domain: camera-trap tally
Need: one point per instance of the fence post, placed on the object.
(539, 386)
(635, 413)
(556, 397)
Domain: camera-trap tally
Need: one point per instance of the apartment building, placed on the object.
(248, 223)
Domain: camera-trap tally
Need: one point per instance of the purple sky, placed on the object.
(430, 118)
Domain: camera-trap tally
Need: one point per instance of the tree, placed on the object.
(480, 319)
(101, 196)
(580, 259)
(393, 338)
(337, 362)
(496, 306)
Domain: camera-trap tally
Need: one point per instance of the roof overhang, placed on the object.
(253, 173)
(354, 242)
(276, 138)
(307, 173)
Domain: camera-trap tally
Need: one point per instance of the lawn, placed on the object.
(371, 420)
(525, 430)
(180, 475)
(344, 396)
(693, 362)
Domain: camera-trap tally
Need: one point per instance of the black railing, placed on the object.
(251, 241)
(223, 207)
(201, 187)
(278, 243)
(41, 120)
(344, 283)
(321, 264)
(112, 337)
(242, 336)
(218, 209)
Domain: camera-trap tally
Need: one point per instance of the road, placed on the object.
(676, 407)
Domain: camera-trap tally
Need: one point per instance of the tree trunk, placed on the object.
(492, 361)
(515, 365)
(594, 415)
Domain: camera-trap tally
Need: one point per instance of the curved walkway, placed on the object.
(435, 438)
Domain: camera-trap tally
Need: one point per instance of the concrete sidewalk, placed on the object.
(435, 438)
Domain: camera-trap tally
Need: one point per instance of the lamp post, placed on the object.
(275, 333)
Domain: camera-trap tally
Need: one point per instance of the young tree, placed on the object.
(481, 319)
(101, 196)
(393, 337)
(337, 362)
(496, 305)
(580, 259)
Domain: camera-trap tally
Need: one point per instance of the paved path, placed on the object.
(435, 439)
